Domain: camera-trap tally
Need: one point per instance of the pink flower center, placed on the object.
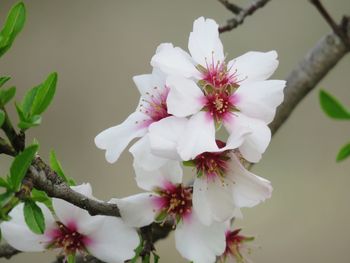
(218, 104)
(212, 164)
(175, 200)
(68, 239)
(234, 243)
(218, 75)
(154, 105)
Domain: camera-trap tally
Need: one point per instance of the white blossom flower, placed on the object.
(222, 186)
(236, 250)
(212, 92)
(151, 108)
(73, 230)
(168, 199)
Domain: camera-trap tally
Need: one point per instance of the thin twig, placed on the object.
(335, 27)
(239, 19)
(232, 7)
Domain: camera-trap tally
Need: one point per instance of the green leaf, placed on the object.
(71, 258)
(13, 25)
(5, 197)
(42, 197)
(332, 107)
(344, 152)
(34, 217)
(155, 258)
(21, 164)
(3, 80)
(189, 163)
(6, 95)
(138, 251)
(146, 259)
(28, 100)
(2, 117)
(4, 183)
(56, 166)
(32, 122)
(44, 95)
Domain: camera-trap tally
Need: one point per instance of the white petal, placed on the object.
(137, 210)
(174, 61)
(71, 215)
(143, 83)
(254, 66)
(216, 195)
(149, 84)
(113, 241)
(200, 204)
(143, 156)
(185, 97)
(199, 243)
(84, 189)
(256, 142)
(164, 136)
(260, 99)
(198, 136)
(204, 43)
(249, 189)
(164, 47)
(148, 180)
(18, 235)
(115, 139)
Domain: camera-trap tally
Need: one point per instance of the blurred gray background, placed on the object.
(97, 46)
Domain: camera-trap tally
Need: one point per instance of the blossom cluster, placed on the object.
(185, 101)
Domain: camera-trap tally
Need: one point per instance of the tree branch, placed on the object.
(302, 79)
(6, 251)
(239, 19)
(45, 179)
(232, 7)
(336, 28)
(308, 73)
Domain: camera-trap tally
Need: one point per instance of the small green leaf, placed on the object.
(161, 216)
(5, 197)
(344, 152)
(28, 100)
(71, 258)
(32, 122)
(3, 80)
(138, 251)
(13, 25)
(155, 258)
(2, 117)
(146, 259)
(332, 107)
(56, 166)
(21, 164)
(34, 217)
(4, 183)
(6, 95)
(44, 95)
(189, 163)
(42, 197)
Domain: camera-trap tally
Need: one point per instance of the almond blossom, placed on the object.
(168, 199)
(212, 92)
(73, 230)
(222, 186)
(152, 107)
(236, 250)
